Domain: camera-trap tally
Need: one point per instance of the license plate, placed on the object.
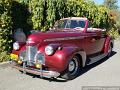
(14, 56)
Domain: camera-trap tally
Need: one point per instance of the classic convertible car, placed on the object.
(63, 50)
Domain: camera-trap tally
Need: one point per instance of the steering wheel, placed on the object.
(77, 27)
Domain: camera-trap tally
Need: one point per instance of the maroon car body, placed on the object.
(62, 51)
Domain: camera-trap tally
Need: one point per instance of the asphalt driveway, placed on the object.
(103, 73)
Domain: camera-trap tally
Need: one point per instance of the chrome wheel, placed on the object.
(73, 66)
(73, 69)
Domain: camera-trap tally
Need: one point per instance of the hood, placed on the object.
(39, 37)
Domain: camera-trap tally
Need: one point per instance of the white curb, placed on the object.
(3, 63)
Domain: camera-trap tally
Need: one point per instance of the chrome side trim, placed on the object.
(66, 38)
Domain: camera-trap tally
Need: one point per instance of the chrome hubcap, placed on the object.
(73, 66)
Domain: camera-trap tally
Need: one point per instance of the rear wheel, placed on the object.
(73, 68)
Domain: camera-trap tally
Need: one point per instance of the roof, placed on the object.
(74, 18)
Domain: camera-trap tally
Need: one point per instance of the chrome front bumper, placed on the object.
(42, 73)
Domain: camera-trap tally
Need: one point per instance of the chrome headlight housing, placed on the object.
(16, 46)
(49, 50)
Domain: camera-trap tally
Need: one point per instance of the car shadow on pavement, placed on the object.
(89, 67)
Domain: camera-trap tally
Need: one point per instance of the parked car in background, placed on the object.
(63, 51)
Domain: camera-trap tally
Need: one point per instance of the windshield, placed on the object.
(70, 24)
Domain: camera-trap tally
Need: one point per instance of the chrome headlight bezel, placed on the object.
(16, 46)
(49, 50)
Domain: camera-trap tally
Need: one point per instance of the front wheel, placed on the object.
(73, 68)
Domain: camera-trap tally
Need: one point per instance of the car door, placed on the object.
(94, 42)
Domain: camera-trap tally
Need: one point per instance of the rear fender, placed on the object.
(108, 41)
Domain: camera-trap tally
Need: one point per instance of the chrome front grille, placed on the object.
(30, 54)
(40, 58)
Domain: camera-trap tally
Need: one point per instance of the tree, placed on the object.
(111, 4)
(37, 9)
(114, 16)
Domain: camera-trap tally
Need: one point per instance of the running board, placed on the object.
(96, 58)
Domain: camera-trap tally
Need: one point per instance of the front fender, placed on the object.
(59, 61)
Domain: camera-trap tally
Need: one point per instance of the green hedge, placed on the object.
(20, 16)
(46, 12)
(41, 14)
(5, 29)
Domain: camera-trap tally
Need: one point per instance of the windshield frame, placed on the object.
(68, 24)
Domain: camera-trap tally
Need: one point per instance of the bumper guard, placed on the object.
(42, 73)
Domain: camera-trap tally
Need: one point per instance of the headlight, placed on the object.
(16, 46)
(49, 50)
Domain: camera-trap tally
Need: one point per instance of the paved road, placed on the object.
(106, 73)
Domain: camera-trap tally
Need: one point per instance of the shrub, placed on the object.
(37, 9)
(113, 32)
(5, 29)
(20, 15)
(46, 12)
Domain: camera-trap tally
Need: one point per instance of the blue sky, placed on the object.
(101, 1)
